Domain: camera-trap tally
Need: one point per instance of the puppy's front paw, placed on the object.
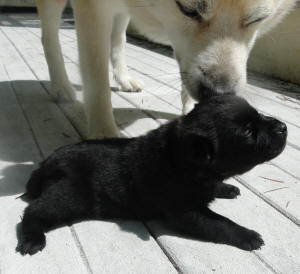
(227, 191)
(232, 192)
(249, 240)
(31, 244)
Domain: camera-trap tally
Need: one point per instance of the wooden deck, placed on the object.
(32, 126)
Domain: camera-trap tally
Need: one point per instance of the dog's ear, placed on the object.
(197, 149)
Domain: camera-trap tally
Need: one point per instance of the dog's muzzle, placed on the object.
(279, 136)
(280, 128)
(204, 91)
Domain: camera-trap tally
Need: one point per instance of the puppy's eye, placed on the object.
(191, 13)
(248, 131)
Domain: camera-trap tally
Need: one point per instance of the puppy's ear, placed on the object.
(197, 149)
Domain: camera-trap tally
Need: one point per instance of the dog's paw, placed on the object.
(227, 191)
(130, 85)
(232, 192)
(101, 133)
(31, 244)
(64, 93)
(249, 240)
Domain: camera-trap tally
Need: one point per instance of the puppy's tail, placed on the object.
(34, 185)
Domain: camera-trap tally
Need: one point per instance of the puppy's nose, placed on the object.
(281, 128)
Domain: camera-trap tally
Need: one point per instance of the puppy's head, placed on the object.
(225, 136)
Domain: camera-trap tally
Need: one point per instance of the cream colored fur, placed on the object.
(212, 52)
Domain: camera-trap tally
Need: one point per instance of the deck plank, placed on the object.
(287, 110)
(122, 247)
(138, 113)
(19, 154)
(170, 77)
(150, 104)
(280, 253)
(154, 260)
(277, 187)
(233, 268)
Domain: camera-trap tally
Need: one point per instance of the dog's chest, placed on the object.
(196, 196)
(180, 196)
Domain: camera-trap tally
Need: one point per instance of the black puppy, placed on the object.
(173, 172)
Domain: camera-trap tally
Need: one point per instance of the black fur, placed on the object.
(173, 172)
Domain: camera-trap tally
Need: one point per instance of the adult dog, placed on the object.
(172, 173)
(211, 40)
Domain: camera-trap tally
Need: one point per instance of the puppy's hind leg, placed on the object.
(226, 191)
(50, 13)
(118, 42)
(58, 205)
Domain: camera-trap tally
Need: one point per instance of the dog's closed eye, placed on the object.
(189, 12)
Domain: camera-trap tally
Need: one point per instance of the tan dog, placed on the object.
(211, 40)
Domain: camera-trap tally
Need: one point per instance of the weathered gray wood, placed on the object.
(280, 253)
(259, 85)
(122, 247)
(263, 98)
(286, 109)
(126, 114)
(138, 113)
(276, 186)
(19, 154)
(289, 161)
(167, 95)
(86, 234)
(178, 253)
(271, 105)
(170, 76)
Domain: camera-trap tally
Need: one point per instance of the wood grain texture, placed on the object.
(51, 129)
(126, 247)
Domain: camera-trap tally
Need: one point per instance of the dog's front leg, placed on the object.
(50, 13)
(188, 102)
(213, 227)
(94, 24)
(118, 42)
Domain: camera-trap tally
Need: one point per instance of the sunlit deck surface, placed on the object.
(32, 126)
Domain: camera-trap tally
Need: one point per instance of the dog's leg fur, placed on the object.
(94, 25)
(50, 13)
(213, 227)
(118, 42)
(226, 191)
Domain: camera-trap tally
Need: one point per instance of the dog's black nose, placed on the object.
(281, 128)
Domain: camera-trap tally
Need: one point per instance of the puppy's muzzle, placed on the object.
(279, 136)
(280, 128)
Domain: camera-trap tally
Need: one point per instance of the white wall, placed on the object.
(278, 53)
(18, 3)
